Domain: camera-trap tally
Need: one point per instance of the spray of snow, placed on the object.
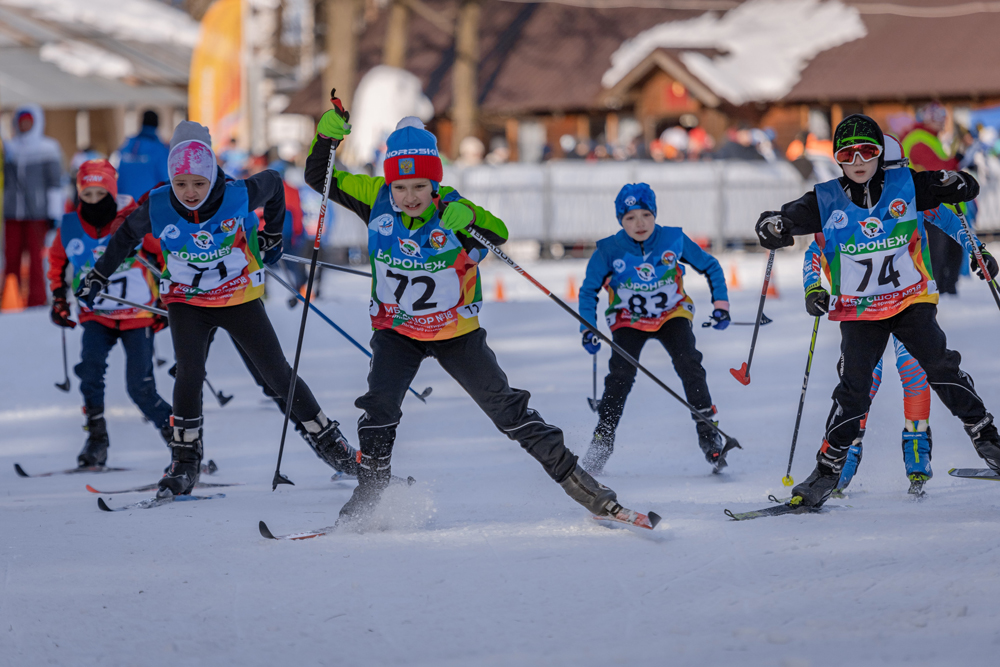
(384, 95)
(766, 45)
(138, 20)
(84, 59)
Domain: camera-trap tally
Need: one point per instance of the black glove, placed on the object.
(955, 187)
(720, 319)
(92, 285)
(591, 343)
(988, 260)
(817, 300)
(771, 232)
(270, 246)
(60, 310)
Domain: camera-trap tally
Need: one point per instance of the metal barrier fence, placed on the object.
(573, 202)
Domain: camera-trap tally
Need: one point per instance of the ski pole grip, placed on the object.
(338, 105)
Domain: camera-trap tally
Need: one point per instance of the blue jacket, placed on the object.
(602, 264)
(143, 163)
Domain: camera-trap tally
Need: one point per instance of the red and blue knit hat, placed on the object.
(412, 152)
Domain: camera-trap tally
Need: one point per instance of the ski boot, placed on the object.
(710, 441)
(374, 473)
(584, 489)
(824, 478)
(917, 447)
(854, 454)
(325, 438)
(185, 454)
(95, 450)
(601, 447)
(986, 441)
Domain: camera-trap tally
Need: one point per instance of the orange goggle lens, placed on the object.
(868, 152)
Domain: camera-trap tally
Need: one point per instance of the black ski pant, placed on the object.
(861, 346)
(677, 338)
(191, 328)
(946, 259)
(468, 359)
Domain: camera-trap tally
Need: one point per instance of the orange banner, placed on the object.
(214, 86)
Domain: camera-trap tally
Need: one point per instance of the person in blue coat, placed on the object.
(143, 160)
(641, 269)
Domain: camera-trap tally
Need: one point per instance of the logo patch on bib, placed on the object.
(75, 248)
(897, 208)
(646, 272)
(409, 247)
(202, 239)
(228, 225)
(619, 265)
(871, 227)
(438, 239)
(170, 232)
(837, 220)
(669, 259)
(384, 224)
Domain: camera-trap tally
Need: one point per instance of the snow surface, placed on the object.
(485, 561)
(139, 20)
(766, 45)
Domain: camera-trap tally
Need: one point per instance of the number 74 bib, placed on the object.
(877, 273)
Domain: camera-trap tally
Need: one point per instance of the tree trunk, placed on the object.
(341, 71)
(465, 88)
(394, 48)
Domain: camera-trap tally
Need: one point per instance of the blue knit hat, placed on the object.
(633, 196)
(412, 152)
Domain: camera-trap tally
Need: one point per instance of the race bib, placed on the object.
(650, 304)
(877, 273)
(417, 292)
(206, 276)
(130, 285)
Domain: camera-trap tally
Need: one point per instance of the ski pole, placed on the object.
(730, 441)
(274, 274)
(787, 479)
(64, 385)
(219, 396)
(764, 321)
(126, 302)
(278, 477)
(593, 402)
(742, 374)
(979, 256)
(325, 265)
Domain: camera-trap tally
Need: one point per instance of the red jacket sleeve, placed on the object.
(57, 264)
(923, 157)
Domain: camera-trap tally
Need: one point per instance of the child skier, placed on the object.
(640, 267)
(425, 299)
(874, 240)
(917, 443)
(214, 277)
(81, 239)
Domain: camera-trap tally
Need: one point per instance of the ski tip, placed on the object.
(103, 505)
(264, 531)
(741, 374)
(92, 489)
(654, 519)
(20, 471)
(730, 514)
(950, 472)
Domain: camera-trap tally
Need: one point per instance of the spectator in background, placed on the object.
(922, 147)
(33, 198)
(142, 160)
(499, 151)
(738, 146)
(470, 152)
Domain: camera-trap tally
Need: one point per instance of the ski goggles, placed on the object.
(868, 152)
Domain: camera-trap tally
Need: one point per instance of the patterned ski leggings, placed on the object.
(916, 391)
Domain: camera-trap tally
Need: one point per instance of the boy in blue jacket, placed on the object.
(640, 267)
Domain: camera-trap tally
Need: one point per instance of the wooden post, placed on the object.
(465, 74)
(341, 71)
(394, 45)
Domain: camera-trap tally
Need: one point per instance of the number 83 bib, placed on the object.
(647, 290)
(878, 259)
(424, 285)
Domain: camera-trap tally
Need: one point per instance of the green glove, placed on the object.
(457, 216)
(333, 125)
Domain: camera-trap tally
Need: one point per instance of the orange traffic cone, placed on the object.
(499, 295)
(772, 285)
(734, 277)
(11, 299)
(572, 293)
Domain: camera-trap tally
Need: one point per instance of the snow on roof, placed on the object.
(137, 20)
(84, 59)
(767, 44)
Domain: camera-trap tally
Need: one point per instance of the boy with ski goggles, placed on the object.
(867, 152)
(871, 228)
